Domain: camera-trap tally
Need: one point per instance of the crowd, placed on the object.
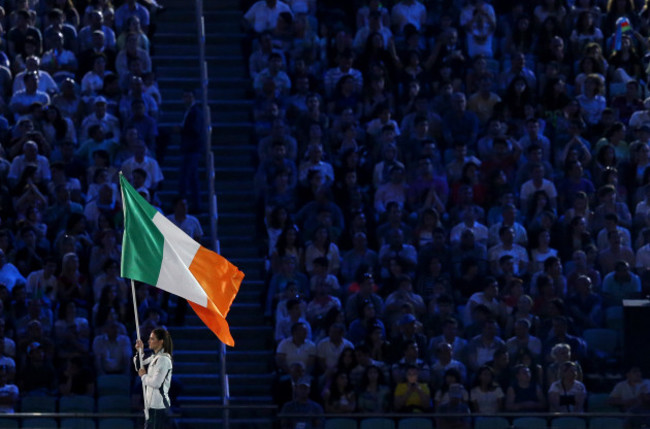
(79, 102)
(454, 194)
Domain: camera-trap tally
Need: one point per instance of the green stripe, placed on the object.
(142, 245)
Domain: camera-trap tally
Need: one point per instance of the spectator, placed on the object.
(302, 405)
(296, 348)
(112, 351)
(567, 394)
(524, 394)
(412, 394)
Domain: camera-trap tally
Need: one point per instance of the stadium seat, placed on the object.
(113, 385)
(491, 423)
(77, 404)
(114, 404)
(529, 423)
(77, 424)
(568, 423)
(116, 424)
(36, 423)
(597, 403)
(38, 404)
(606, 423)
(377, 423)
(415, 423)
(338, 424)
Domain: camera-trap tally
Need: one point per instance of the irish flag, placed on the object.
(157, 252)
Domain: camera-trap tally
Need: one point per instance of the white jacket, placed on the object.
(159, 374)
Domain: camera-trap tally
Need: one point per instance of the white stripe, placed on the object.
(178, 252)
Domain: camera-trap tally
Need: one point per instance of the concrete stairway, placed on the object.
(196, 348)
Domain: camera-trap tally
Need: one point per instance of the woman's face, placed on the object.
(485, 377)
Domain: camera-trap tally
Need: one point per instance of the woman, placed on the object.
(592, 103)
(133, 26)
(156, 378)
(567, 394)
(322, 246)
(374, 396)
(542, 251)
(561, 354)
(339, 397)
(584, 32)
(486, 396)
(524, 394)
(57, 128)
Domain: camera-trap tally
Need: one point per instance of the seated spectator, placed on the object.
(58, 61)
(263, 16)
(366, 292)
(9, 393)
(22, 100)
(486, 396)
(407, 358)
(620, 284)
(411, 394)
(130, 51)
(77, 379)
(296, 348)
(507, 246)
(395, 190)
(525, 395)
(38, 376)
(374, 394)
(522, 339)
(444, 361)
(627, 394)
(481, 348)
(407, 332)
(450, 336)
(361, 327)
(585, 306)
(9, 274)
(322, 246)
(329, 349)
(567, 394)
(112, 351)
(560, 354)
(186, 222)
(302, 404)
(339, 397)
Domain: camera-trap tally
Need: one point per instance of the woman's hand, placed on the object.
(139, 345)
(142, 372)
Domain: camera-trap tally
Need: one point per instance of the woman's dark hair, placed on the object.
(282, 239)
(339, 363)
(163, 334)
(454, 373)
(335, 394)
(104, 308)
(477, 381)
(365, 380)
(600, 157)
(60, 124)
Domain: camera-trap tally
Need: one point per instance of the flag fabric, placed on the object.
(157, 252)
(622, 26)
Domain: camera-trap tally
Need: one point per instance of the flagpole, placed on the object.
(137, 319)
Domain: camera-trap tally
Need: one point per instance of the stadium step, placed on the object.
(196, 349)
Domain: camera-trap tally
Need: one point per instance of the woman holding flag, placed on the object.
(156, 378)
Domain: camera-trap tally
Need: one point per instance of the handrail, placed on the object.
(546, 414)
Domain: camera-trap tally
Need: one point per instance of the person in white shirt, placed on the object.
(30, 157)
(538, 183)
(45, 82)
(330, 348)
(408, 12)
(59, 60)
(627, 393)
(263, 15)
(109, 123)
(469, 222)
(188, 223)
(146, 163)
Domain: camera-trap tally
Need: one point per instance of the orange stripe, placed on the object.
(220, 280)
